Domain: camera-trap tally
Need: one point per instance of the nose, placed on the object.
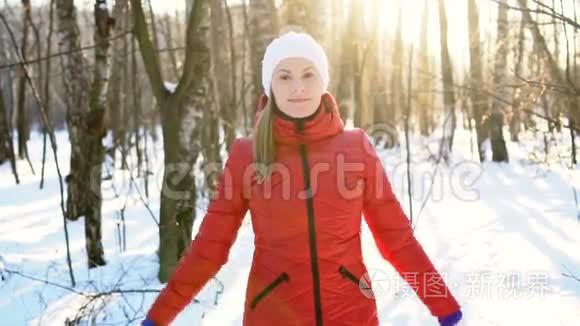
(297, 87)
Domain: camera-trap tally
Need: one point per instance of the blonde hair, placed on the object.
(263, 141)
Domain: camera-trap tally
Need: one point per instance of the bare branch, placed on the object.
(58, 54)
(148, 52)
(191, 44)
(552, 13)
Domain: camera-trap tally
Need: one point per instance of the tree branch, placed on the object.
(552, 14)
(148, 52)
(191, 43)
(58, 54)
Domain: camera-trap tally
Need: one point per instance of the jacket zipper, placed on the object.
(346, 273)
(365, 287)
(282, 278)
(312, 236)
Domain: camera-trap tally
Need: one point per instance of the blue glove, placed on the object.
(451, 319)
(147, 322)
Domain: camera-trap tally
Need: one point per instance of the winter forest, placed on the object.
(117, 116)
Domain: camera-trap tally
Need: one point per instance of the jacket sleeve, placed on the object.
(395, 240)
(210, 248)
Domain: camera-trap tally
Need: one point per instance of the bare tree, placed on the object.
(564, 83)
(358, 61)
(46, 96)
(230, 115)
(6, 149)
(516, 118)
(169, 38)
(76, 85)
(478, 99)
(85, 122)
(337, 28)
(377, 79)
(117, 83)
(366, 85)
(425, 79)
(397, 94)
(22, 123)
(350, 62)
(221, 67)
(6, 143)
(307, 15)
(447, 73)
(181, 108)
(264, 27)
(496, 117)
(96, 132)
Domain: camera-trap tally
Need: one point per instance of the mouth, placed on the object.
(298, 100)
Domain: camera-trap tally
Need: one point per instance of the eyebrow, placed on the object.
(303, 70)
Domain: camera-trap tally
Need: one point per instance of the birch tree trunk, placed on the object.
(96, 132)
(181, 110)
(85, 128)
(76, 85)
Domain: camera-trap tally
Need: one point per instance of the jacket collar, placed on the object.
(323, 123)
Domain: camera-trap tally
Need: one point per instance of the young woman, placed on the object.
(307, 183)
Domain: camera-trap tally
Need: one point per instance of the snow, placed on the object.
(502, 236)
(171, 87)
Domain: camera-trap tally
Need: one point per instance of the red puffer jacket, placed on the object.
(306, 218)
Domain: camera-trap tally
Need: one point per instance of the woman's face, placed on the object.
(297, 87)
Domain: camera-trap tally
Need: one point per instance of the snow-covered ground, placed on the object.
(502, 235)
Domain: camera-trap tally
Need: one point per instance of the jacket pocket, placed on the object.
(260, 296)
(362, 283)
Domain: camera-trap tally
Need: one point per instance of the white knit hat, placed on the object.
(292, 45)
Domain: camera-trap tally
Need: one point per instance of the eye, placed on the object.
(308, 75)
(284, 77)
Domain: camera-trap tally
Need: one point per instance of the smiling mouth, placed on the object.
(299, 100)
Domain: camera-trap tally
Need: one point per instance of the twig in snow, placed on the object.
(570, 275)
(141, 196)
(47, 282)
(438, 160)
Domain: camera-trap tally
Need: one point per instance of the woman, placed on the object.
(306, 182)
